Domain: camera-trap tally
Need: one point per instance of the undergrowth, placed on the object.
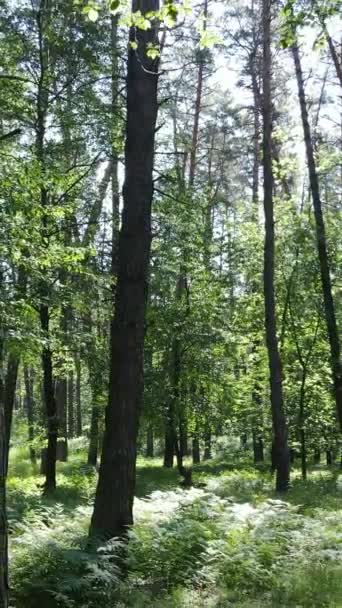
(230, 543)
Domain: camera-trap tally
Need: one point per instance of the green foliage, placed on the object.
(230, 544)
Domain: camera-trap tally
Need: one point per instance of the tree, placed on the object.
(280, 449)
(321, 240)
(115, 489)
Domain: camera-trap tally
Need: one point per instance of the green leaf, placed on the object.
(114, 6)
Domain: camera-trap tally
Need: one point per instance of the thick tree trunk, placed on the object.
(43, 17)
(280, 445)
(169, 446)
(28, 378)
(78, 398)
(113, 509)
(329, 307)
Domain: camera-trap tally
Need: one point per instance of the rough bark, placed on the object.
(280, 445)
(116, 484)
(329, 305)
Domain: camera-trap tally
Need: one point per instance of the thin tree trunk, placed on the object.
(196, 453)
(61, 403)
(9, 396)
(280, 445)
(71, 412)
(183, 434)
(50, 404)
(150, 442)
(3, 475)
(28, 378)
(258, 448)
(329, 457)
(207, 442)
(94, 434)
(329, 307)
(301, 425)
(333, 53)
(78, 398)
(113, 509)
(317, 456)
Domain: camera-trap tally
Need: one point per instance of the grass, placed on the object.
(233, 542)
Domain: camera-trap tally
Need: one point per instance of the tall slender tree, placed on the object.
(280, 449)
(321, 239)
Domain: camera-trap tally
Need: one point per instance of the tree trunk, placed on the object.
(78, 399)
(196, 454)
(329, 307)
(302, 424)
(71, 413)
(280, 446)
(61, 404)
(94, 436)
(113, 509)
(150, 442)
(169, 447)
(183, 435)
(329, 457)
(50, 404)
(258, 448)
(28, 378)
(334, 55)
(207, 442)
(9, 396)
(43, 17)
(3, 474)
(303, 454)
(317, 456)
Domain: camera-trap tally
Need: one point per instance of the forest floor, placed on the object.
(229, 542)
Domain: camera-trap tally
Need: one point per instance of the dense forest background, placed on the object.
(170, 290)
